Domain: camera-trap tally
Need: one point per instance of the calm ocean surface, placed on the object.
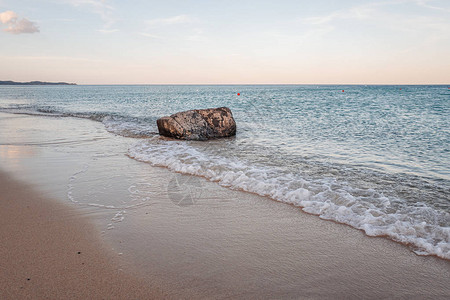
(373, 157)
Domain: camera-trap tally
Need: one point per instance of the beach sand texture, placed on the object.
(51, 251)
(225, 244)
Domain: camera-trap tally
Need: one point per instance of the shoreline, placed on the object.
(227, 244)
(50, 250)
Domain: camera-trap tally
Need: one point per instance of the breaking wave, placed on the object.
(420, 226)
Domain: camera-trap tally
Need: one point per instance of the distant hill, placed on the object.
(35, 83)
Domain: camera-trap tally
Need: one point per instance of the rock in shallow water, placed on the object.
(198, 124)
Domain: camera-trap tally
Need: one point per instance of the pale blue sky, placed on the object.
(214, 42)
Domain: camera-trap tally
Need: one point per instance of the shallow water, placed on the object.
(373, 157)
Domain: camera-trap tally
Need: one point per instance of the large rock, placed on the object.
(198, 124)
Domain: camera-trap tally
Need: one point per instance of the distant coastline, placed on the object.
(34, 83)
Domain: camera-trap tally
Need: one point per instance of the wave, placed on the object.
(424, 228)
(114, 123)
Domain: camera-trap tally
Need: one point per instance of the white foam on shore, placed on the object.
(128, 127)
(138, 197)
(70, 184)
(116, 124)
(422, 227)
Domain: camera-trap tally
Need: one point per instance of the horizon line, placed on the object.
(235, 84)
(231, 84)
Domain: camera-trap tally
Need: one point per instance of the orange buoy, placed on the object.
(342, 90)
(238, 94)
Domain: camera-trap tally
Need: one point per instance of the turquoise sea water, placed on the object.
(373, 157)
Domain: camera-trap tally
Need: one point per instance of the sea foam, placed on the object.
(420, 226)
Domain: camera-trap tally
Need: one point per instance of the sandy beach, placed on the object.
(97, 224)
(50, 251)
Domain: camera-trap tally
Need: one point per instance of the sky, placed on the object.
(226, 41)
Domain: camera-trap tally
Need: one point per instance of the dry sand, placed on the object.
(50, 251)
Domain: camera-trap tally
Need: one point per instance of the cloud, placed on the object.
(196, 36)
(378, 13)
(424, 3)
(16, 25)
(99, 7)
(106, 31)
(149, 35)
(180, 27)
(181, 19)
(360, 12)
(8, 16)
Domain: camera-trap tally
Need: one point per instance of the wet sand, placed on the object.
(187, 236)
(234, 245)
(51, 251)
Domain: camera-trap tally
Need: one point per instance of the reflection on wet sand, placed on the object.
(15, 154)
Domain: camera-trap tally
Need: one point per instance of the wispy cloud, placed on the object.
(196, 36)
(16, 25)
(99, 7)
(63, 20)
(175, 28)
(97, 4)
(149, 35)
(106, 31)
(360, 12)
(376, 12)
(180, 19)
(426, 4)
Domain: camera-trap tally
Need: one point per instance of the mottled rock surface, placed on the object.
(198, 124)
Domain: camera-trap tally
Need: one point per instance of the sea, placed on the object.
(374, 157)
